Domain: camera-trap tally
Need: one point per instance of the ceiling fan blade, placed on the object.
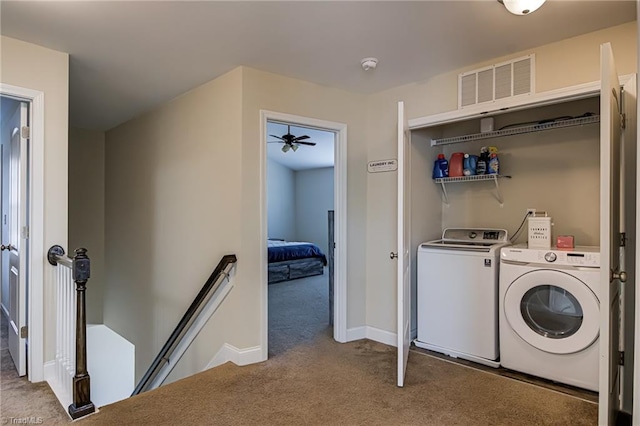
(306, 143)
(276, 142)
(277, 137)
(299, 138)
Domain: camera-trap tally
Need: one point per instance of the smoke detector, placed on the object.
(369, 63)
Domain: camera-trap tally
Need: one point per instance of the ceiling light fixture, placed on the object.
(286, 147)
(522, 7)
(369, 63)
(294, 147)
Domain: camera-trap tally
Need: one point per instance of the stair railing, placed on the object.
(187, 329)
(72, 377)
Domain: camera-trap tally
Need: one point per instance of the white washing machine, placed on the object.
(458, 294)
(550, 313)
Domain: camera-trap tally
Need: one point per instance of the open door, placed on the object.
(404, 239)
(331, 261)
(628, 191)
(610, 248)
(17, 242)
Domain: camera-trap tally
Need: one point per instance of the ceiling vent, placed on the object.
(496, 82)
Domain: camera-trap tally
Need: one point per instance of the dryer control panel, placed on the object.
(580, 256)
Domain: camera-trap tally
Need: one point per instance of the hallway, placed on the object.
(321, 382)
(314, 380)
(20, 400)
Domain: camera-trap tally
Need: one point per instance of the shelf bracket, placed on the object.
(498, 192)
(445, 197)
(473, 178)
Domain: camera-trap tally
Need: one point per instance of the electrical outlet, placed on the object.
(531, 212)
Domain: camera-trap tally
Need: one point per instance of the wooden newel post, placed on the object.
(82, 404)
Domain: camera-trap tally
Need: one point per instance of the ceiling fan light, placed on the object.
(285, 147)
(522, 7)
(294, 147)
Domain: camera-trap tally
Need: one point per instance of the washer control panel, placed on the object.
(579, 256)
(493, 236)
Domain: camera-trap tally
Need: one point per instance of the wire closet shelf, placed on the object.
(580, 121)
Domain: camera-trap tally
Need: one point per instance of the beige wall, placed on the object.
(568, 62)
(29, 66)
(173, 188)
(554, 171)
(86, 210)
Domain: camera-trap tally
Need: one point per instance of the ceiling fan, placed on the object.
(290, 141)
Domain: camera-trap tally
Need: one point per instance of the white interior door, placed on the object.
(628, 154)
(404, 241)
(18, 239)
(610, 250)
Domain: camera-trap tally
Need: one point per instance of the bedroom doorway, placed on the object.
(304, 193)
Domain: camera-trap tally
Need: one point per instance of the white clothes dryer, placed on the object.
(550, 313)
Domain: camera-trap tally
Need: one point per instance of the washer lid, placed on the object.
(553, 311)
(469, 239)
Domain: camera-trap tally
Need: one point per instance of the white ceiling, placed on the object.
(128, 56)
(306, 157)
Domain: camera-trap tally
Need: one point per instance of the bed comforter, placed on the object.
(281, 251)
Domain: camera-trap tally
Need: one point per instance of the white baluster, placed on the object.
(63, 284)
(58, 289)
(72, 329)
(70, 326)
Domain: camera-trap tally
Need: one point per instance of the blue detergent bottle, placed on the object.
(470, 164)
(493, 167)
(440, 167)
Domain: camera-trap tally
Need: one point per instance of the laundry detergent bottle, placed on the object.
(470, 164)
(456, 168)
(493, 167)
(440, 167)
(483, 161)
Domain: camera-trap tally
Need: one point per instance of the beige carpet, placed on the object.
(327, 383)
(22, 400)
(313, 380)
(298, 312)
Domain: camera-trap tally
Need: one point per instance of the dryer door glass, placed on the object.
(551, 311)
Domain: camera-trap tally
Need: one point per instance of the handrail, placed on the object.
(80, 266)
(188, 318)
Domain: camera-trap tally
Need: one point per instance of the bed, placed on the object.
(290, 260)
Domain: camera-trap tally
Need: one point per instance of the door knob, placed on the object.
(393, 255)
(622, 276)
(7, 247)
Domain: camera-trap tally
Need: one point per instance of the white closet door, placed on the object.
(404, 240)
(610, 250)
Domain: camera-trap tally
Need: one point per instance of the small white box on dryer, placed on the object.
(539, 232)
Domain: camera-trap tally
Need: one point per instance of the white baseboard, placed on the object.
(229, 352)
(372, 333)
(356, 333)
(64, 396)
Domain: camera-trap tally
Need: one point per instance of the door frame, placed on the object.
(36, 252)
(340, 207)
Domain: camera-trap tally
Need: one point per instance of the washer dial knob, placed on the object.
(550, 257)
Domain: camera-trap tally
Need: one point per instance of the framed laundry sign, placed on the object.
(382, 166)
